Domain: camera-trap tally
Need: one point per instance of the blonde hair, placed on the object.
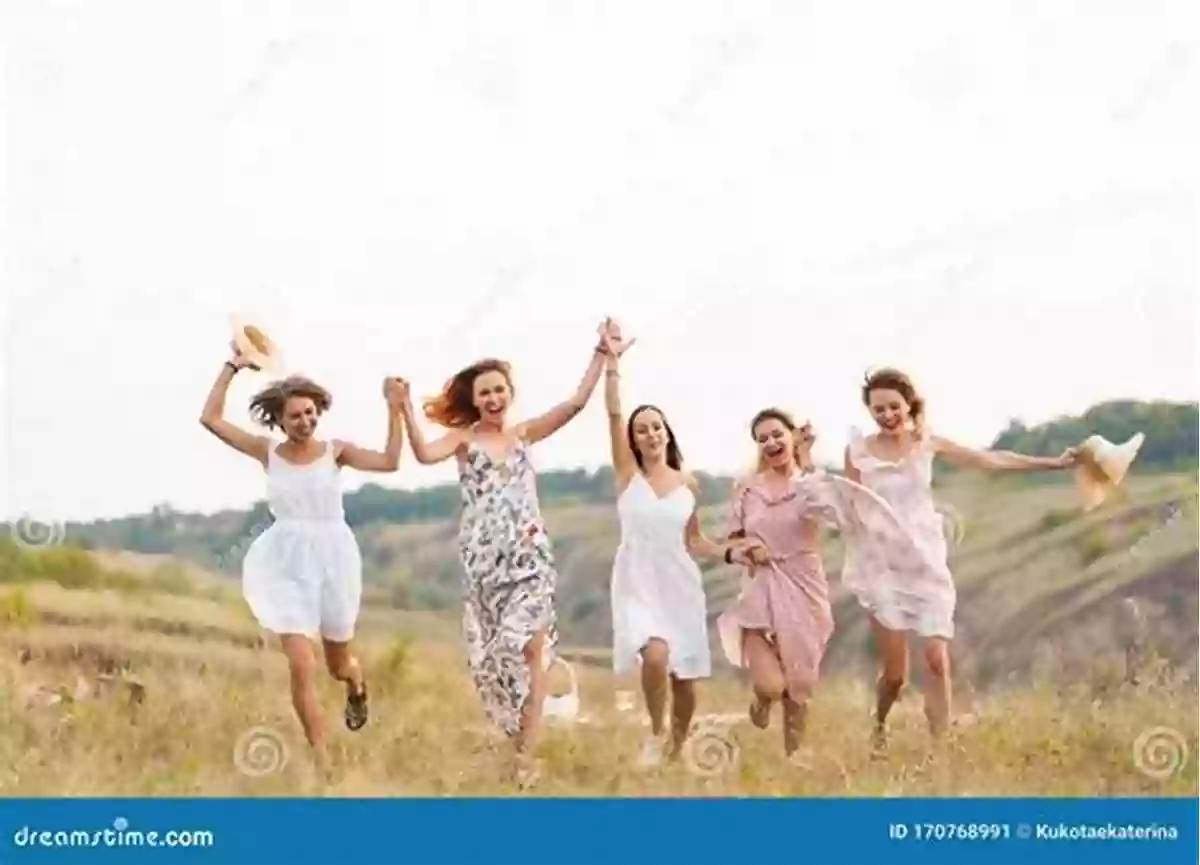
(803, 461)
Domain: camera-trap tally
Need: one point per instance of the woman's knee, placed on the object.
(656, 656)
(769, 688)
(534, 648)
(937, 659)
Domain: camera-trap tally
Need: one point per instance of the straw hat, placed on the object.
(255, 346)
(1102, 466)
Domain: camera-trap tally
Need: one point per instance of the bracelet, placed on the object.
(614, 373)
(729, 555)
(233, 366)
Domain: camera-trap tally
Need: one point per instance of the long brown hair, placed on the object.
(773, 413)
(454, 407)
(266, 407)
(674, 454)
(890, 378)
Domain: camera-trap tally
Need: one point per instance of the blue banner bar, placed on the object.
(532, 831)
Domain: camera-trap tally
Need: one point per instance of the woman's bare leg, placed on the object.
(893, 671)
(302, 669)
(656, 658)
(937, 684)
(683, 707)
(344, 667)
(795, 718)
(766, 675)
(531, 712)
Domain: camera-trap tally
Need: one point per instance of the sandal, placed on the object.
(356, 713)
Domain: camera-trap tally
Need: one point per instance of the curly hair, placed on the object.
(266, 407)
(454, 407)
(773, 413)
(889, 378)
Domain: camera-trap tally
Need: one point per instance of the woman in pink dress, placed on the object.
(918, 596)
(780, 624)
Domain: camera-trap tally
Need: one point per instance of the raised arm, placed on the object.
(387, 460)
(427, 452)
(989, 460)
(624, 463)
(545, 425)
(212, 417)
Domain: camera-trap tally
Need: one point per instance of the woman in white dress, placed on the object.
(658, 605)
(303, 576)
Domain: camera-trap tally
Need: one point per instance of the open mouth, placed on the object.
(773, 451)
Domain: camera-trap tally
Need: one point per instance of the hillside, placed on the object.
(137, 679)
(1039, 584)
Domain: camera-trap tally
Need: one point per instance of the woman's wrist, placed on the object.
(232, 367)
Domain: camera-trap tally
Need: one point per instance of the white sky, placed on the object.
(770, 196)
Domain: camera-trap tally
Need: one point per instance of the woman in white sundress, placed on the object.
(660, 619)
(303, 575)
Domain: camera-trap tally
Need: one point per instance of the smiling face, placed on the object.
(491, 396)
(299, 418)
(889, 409)
(776, 443)
(650, 434)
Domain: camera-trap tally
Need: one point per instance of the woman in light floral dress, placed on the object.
(897, 463)
(509, 618)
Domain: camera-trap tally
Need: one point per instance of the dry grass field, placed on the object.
(131, 691)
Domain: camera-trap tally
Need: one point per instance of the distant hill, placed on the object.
(1172, 431)
(1030, 566)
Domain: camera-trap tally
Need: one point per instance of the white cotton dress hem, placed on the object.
(303, 575)
(657, 588)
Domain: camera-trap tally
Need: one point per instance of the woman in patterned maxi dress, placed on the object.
(509, 616)
(897, 463)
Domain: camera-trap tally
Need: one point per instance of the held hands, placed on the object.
(1069, 458)
(750, 552)
(395, 391)
(611, 342)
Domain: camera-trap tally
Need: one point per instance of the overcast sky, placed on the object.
(771, 196)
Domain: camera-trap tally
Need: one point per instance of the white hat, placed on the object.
(255, 346)
(1102, 466)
